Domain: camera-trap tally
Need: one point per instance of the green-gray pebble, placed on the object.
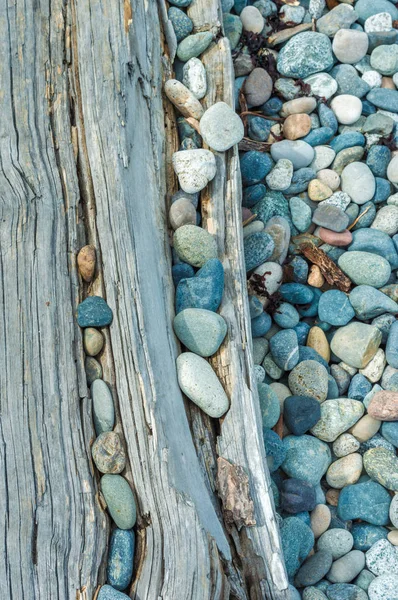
(201, 331)
(119, 499)
(193, 45)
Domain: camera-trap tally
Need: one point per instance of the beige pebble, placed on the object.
(318, 191)
(318, 341)
(387, 82)
(365, 428)
(93, 341)
(320, 519)
(329, 178)
(344, 471)
(296, 126)
(345, 444)
(182, 212)
(183, 99)
(332, 497)
(86, 262)
(275, 133)
(315, 278)
(374, 369)
(393, 537)
(297, 106)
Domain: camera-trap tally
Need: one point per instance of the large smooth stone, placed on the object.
(336, 541)
(304, 54)
(220, 127)
(365, 268)
(340, 17)
(301, 413)
(382, 558)
(194, 245)
(368, 501)
(205, 290)
(119, 569)
(384, 59)
(307, 458)
(309, 378)
(194, 168)
(345, 471)
(199, 382)
(297, 541)
(375, 242)
(366, 535)
(314, 569)
(347, 567)
(350, 46)
(336, 417)
(368, 8)
(284, 349)
(298, 152)
(369, 302)
(94, 312)
(335, 308)
(257, 88)
(385, 586)
(254, 166)
(382, 466)
(358, 181)
(201, 331)
(193, 45)
(108, 453)
(93, 341)
(119, 499)
(356, 344)
(330, 217)
(103, 408)
(347, 108)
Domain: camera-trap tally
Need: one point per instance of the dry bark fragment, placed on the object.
(233, 489)
(331, 272)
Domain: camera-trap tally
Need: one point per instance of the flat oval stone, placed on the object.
(384, 406)
(314, 568)
(183, 99)
(220, 127)
(284, 349)
(107, 592)
(356, 344)
(193, 45)
(108, 453)
(304, 54)
(86, 261)
(94, 312)
(335, 308)
(307, 458)
(103, 408)
(320, 519)
(194, 168)
(347, 108)
(252, 19)
(93, 341)
(336, 417)
(382, 466)
(365, 268)
(347, 567)
(330, 217)
(336, 541)
(342, 239)
(369, 302)
(201, 331)
(119, 570)
(257, 88)
(194, 245)
(376, 242)
(119, 499)
(200, 383)
(358, 181)
(309, 378)
(182, 24)
(368, 501)
(298, 152)
(345, 471)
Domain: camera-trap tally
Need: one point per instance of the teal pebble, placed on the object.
(109, 593)
(94, 312)
(269, 404)
(182, 24)
(297, 542)
(258, 248)
(307, 458)
(304, 54)
(368, 501)
(120, 558)
(201, 331)
(232, 29)
(193, 45)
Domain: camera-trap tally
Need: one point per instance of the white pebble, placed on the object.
(347, 108)
(372, 78)
(252, 19)
(379, 22)
(386, 220)
(194, 77)
(194, 169)
(374, 369)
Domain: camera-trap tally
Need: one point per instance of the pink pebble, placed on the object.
(335, 239)
(246, 213)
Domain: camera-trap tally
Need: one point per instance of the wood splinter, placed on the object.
(233, 489)
(331, 272)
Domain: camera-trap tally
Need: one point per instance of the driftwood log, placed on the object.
(84, 158)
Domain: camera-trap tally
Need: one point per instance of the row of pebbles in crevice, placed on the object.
(93, 314)
(320, 213)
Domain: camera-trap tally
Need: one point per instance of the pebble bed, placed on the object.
(315, 117)
(108, 454)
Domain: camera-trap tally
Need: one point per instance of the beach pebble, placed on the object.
(345, 445)
(258, 86)
(182, 212)
(194, 169)
(108, 453)
(194, 78)
(350, 46)
(119, 499)
(336, 541)
(347, 108)
(201, 331)
(86, 261)
(220, 127)
(183, 99)
(194, 245)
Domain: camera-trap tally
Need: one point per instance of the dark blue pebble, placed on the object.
(368, 108)
(272, 107)
(377, 160)
(297, 496)
(359, 387)
(255, 166)
(259, 128)
(182, 271)
(333, 389)
(261, 325)
(308, 353)
(298, 268)
(302, 330)
(327, 117)
(347, 140)
(384, 98)
(311, 310)
(319, 136)
(239, 5)
(383, 323)
(366, 535)
(182, 24)
(296, 293)
(392, 346)
(205, 290)
(274, 449)
(383, 190)
(121, 558)
(300, 180)
(253, 194)
(381, 38)
(367, 219)
(297, 541)
(94, 312)
(300, 413)
(314, 569)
